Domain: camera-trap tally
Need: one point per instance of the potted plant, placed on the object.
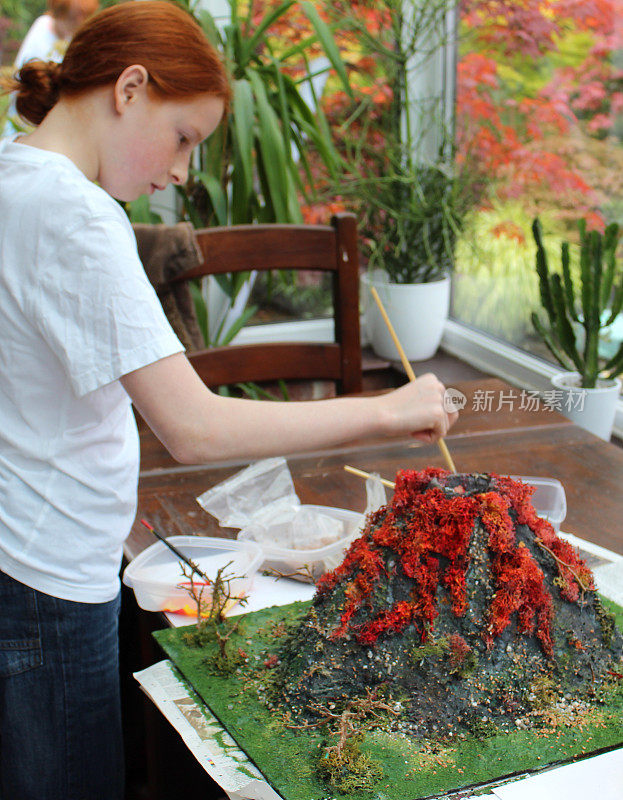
(411, 225)
(407, 191)
(577, 312)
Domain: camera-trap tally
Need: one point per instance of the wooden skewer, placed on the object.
(408, 369)
(362, 474)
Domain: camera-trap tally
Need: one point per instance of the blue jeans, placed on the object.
(60, 716)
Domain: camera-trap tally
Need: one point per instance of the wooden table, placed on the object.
(493, 434)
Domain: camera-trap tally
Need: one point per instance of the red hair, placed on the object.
(159, 35)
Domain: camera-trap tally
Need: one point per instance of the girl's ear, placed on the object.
(130, 85)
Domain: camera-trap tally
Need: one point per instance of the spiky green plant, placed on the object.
(598, 304)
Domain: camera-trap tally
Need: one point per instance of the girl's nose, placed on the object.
(179, 172)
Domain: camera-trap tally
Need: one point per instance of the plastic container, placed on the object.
(158, 580)
(320, 560)
(549, 499)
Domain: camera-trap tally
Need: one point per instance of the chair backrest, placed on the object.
(330, 248)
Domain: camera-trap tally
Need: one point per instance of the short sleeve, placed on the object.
(96, 309)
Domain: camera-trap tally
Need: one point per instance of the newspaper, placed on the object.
(204, 736)
(225, 763)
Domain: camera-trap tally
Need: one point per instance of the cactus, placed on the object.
(599, 272)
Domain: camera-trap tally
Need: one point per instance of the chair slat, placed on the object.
(264, 247)
(267, 362)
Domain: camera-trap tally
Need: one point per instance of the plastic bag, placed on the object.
(259, 491)
(262, 501)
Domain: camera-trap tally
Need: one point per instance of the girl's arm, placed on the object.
(197, 426)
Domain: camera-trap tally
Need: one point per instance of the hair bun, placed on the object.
(38, 89)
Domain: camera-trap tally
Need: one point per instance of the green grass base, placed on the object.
(287, 758)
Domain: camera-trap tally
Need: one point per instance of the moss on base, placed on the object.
(289, 758)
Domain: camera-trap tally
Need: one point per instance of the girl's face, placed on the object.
(153, 141)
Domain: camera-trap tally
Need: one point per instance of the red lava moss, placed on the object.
(459, 650)
(429, 531)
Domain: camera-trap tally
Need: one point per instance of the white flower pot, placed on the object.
(418, 312)
(591, 409)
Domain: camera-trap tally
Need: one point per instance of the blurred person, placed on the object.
(47, 39)
(50, 33)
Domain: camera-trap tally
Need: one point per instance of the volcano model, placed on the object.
(462, 607)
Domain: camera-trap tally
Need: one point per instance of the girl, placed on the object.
(83, 336)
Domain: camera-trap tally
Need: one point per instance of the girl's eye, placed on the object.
(183, 139)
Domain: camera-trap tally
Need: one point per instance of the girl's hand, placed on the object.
(417, 408)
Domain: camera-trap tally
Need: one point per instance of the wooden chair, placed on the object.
(330, 248)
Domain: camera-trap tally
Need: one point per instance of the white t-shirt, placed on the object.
(76, 313)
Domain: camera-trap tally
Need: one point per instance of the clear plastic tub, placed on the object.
(549, 499)
(320, 560)
(159, 582)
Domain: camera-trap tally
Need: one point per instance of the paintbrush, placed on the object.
(408, 368)
(177, 552)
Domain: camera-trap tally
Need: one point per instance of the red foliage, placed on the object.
(509, 230)
(459, 650)
(439, 528)
(428, 531)
(570, 565)
(512, 26)
(392, 621)
(513, 145)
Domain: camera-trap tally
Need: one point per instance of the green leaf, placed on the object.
(555, 351)
(243, 127)
(216, 194)
(568, 282)
(271, 145)
(201, 311)
(283, 388)
(284, 110)
(189, 207)
(238, 280)
(210, 28)
(139, 211)
(299, 107)
(256, 392)
(328, 43)
(321, 136)
(299, 48)
(238, 324)
(241, 194)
